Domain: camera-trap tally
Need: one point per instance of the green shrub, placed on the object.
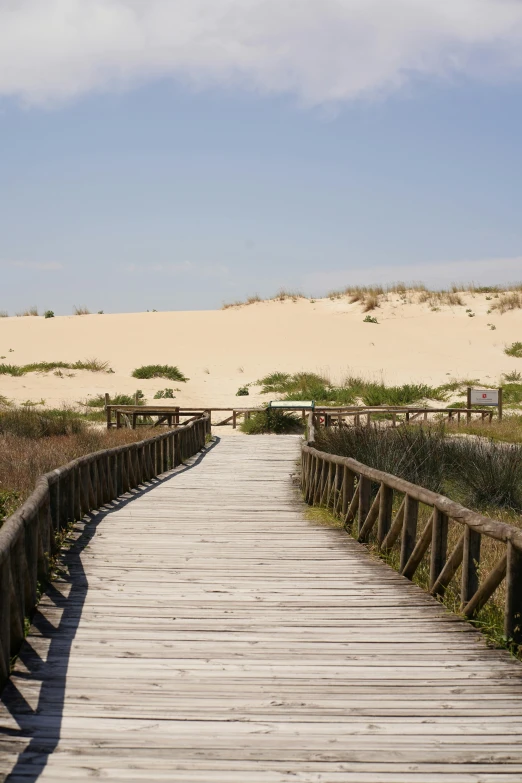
(118, 399)
(164, 394)
(271, 420)
(10, 369)
(94, 365)
(476, 472)
(370, 320)
(242, 391)
(512, 393)
(159, 371)
(311, 386)
(30, 423)
(49, 314)
(515, 349)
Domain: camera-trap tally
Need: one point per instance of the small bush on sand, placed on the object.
(164, 394)
(273, 421)
(515, 349)
(511, 300)
(49, 314)
(242, 391)
(118, 399)
(81, 310)
(10, 369)
(160, 371)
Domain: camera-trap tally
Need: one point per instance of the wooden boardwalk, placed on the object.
(203, 630)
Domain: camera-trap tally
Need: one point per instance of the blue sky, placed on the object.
(169, 194)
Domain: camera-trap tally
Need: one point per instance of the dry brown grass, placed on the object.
(511, 300)
(30, 311)
(23, 460)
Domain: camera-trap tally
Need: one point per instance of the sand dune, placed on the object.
(224, 349)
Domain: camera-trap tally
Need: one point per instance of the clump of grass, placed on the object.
(271, 420)
(164, 394)
(312, 386)
(27, 422)
(478, 473)
(31, 311)
(138, 398)
(10, 369)
(242, 391)
(81, 310)
(228, 305)
(49, 314)
(253, 299)
(28, 450)
(283, 295)
(93, 365)
(515, 349)
(511, 300)
(148, 371)
(4, 314)
(370, 319)
(512, 377)
(512, 393)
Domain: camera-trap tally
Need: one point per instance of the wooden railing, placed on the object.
(365, 499)
(28, 538)
(395, 415)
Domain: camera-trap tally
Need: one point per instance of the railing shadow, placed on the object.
(39, 720)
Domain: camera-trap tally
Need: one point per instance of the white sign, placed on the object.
(484, 396)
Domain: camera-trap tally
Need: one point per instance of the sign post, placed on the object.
(489, 397)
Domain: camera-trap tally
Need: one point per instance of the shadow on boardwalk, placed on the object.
(35, 740)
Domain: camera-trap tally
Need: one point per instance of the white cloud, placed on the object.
(42, 266)
(319, 50)
(483, 271)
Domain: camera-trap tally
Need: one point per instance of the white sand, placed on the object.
(224, 349)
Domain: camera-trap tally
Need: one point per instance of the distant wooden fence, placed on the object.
(171, 415)
(364, 497)
(28, 537)
(361, 416)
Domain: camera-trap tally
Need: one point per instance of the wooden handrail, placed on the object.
(28, 538)
(347, 487)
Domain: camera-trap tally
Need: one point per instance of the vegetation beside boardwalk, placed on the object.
(33, 442)
(479, 473)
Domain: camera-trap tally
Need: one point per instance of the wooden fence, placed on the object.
(364, 498)
(28, 538)
(171, 415)
(395, 415)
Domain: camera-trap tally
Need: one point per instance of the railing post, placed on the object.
(365, 491)
(513, 611)
(385, 513)
(470, 565)
(409, 529)
(439, 545)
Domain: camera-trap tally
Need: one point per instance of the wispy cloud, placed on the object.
(482, 271)
(319, 50)
(183, 269)
(42, 266)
